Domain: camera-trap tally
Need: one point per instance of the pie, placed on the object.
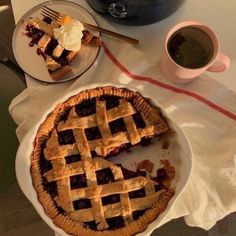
(80, 189)
(57, 59)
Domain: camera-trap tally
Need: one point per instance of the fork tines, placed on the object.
(54, 15)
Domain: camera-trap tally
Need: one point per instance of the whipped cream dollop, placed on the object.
(69, 35)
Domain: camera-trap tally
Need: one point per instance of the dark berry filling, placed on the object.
(111, 101)
(39, 52)
(34, 33)
(65, 53)
(73, 158)
(91, 225)
(161, 175)
(51, 187)
(159, 187)
(104, 176)
(60, 210)
(51, 46)
(78, 181)
(66, 137)
(45, 165)
(137, 193)
(139, 121)
(62, 60)
(128, 174)
(36, 37)
(86, 108)
(110, 199)
(159, 178)
(82, 204)
(93, 154)
(137, 214)
(115, 222)
(117, 126)
(47, 20)
(30, 30)
(65, 115)
(92, 133)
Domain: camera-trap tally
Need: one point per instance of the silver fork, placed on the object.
(58, 17)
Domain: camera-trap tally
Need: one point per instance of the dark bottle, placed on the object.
(135, 12)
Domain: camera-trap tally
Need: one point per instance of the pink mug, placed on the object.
(190, 49)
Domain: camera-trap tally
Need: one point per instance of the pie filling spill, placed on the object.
(72, 160)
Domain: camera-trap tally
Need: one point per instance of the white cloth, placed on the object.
(210, 125)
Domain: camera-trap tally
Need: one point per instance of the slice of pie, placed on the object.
(56, 57)
(81, 190)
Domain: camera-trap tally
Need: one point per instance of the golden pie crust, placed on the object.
(72, 220)
(55, 69)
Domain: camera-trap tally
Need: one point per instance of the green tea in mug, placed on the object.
(190, 47)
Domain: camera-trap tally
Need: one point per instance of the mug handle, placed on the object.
(222, 63)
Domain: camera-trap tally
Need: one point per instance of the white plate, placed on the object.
(33, 64)
(180, 155)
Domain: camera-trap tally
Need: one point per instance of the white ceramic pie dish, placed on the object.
(179, 154)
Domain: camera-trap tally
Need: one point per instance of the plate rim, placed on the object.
(19, 22)
(26, 147)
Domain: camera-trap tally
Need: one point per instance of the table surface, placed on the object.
(219, 15)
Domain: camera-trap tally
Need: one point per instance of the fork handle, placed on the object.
(112, 33)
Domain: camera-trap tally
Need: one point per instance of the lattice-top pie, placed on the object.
(82, 191)
(56, 57)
